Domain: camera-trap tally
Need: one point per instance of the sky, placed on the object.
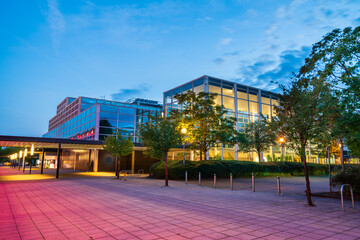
(53, 49)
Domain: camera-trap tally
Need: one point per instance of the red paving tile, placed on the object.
(101, 208)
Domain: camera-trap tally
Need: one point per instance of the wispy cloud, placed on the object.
(225, 41)
(126, 93)
(56, 22)
(267, 69)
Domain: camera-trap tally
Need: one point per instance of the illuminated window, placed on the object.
(243, 106)
(254, 108)
(228, 103)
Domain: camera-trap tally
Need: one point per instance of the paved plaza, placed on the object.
(96, 206)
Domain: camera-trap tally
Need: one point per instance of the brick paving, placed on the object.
(104, 208)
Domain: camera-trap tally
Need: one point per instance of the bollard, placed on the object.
(199, 178)
(215, 181)
(186, 178)
(253, 182)
(278, 185)
(231, 182)
(125, 177)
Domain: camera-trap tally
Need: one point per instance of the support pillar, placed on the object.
(23, 168)
(89, 160)
(58, 160)
(19, 163)
(133, 162)
(42, 161)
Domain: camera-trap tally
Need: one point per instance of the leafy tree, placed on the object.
(6, 151)
(336, 60)
(206, 122)
(118, 146)
(159, 135)
(303, 113)
(256, 137)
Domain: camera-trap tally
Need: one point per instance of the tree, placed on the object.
(206, 122)
(118, 146)
(336, 60)
(159, 135)
(256, 137)
(303, 113)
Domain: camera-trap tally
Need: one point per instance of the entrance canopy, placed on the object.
(39, 142)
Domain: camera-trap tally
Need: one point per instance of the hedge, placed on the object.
(350, 176)
(223, 168)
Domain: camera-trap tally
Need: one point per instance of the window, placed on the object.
(187, 87)
(253, 95)
(243, 106)
(217, 100)
(265, 99)
(254, 108)
(199, 85)
(228, 90)
(88, 100)
(126, 118)
(127, 110)
(107, 108)
(266, 110)
(105, 115)
(228, 103)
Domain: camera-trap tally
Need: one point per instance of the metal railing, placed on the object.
(342, 196)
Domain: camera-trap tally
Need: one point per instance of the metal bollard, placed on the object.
(231, 182)
(186, 178)
(253, 182)
(278, 185)
(342, 196)
(125, 177)
(199, 178)
(215, 181)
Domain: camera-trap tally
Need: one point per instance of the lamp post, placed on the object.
(183, 131)
(282, 142)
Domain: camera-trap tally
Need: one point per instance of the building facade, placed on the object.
(94, 119)
(243, 102)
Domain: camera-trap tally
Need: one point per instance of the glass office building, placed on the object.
(93, 119)
(242, 102)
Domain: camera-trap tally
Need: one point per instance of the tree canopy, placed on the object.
(256, 137)
(159, 135)
(206, 122)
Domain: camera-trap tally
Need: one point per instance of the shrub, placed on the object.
(350, 176)
(223, 168)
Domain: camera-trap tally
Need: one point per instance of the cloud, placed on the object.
(205, 19)
(225, 41)
(56, 22)
(266, 69)
(219, 61)
(126, 93)
(234, 53)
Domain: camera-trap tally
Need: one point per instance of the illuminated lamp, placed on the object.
(20, 154)
(32, 150)
(25, 152)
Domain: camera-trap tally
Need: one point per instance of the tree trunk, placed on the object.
(118, 174)
(308, 190)
(166, 169)
(259, 156)
(200, 155)
(342, 156)
(117, 167)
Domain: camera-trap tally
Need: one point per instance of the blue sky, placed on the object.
(52, 49)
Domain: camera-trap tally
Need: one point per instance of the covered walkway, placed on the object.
(52, 146)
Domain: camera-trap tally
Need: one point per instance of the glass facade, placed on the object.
(243, 102)
(99, 118)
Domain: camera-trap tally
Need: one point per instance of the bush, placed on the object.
(223, 168)
(350, 176)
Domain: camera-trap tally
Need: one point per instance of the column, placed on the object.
(42, 161)
(133, 162)
(58, 160)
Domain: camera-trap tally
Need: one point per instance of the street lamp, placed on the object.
(282, 142)
(183, 131)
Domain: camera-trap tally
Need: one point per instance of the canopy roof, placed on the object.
(40, 142)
